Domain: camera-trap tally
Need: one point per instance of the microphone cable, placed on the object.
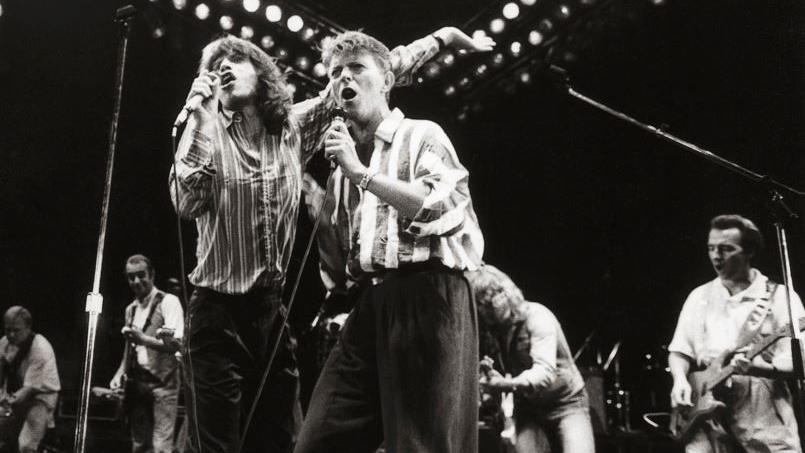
(188, 318)
(284, 318)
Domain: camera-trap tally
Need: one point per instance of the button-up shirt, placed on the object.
(172, 313)
(711, 320)
(242, 186)
(375, 236)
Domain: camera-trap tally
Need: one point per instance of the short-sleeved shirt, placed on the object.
(37, 370)
(172, 312)
(711, 319)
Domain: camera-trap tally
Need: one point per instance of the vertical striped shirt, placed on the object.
(445, 228)
(242, 186)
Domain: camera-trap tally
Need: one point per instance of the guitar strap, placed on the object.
(751, 327)
(132, 357)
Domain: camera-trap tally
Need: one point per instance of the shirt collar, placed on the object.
(389, 126)
(755, 290)
(149, 297)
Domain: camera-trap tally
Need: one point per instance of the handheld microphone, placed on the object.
(339, 114)
(191, 105)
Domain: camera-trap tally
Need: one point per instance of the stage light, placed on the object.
(515, 48)
(658, 2)
(267, 42)
(158, 32)
(307, 34)
(273, 13)
(481, 70)
(319, 70)
(511, 10)
(528, 2)
(464, 83)
(226, 22)
(202, 11)
(281, 53)
(448, 59)
(525, 77)
(180, 4)
(251, 5)
(562, 12)
(497, 25)
(295, 23)
(545, 26)
(420, 80)
(587, 2)
(462, 116)
(432, 70)
(246, 32)
(303, 63)
(450, 90)
(498, 59)
(535, 38)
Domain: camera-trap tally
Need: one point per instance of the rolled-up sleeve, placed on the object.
(445, 206)
(41, 373)
(174, 315)
(194, 171)
(406, 60)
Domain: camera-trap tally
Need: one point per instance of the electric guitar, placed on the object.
(685, 421)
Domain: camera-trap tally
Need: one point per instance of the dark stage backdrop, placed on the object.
(603, 223)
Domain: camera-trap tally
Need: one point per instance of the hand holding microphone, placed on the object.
(339, 117)
(203, 97)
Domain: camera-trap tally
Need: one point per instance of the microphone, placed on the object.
(191, 105)
(339, 114)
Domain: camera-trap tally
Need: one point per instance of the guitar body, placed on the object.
(685, 421)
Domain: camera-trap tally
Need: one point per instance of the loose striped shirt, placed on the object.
(445, 228)
(242, 186)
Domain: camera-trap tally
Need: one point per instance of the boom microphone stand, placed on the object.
(779, 212)
(94, 305)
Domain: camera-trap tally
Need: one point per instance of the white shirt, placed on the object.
(172, 312)
(711, 319)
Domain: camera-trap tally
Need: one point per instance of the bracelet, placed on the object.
(366, 179)
(439, 40)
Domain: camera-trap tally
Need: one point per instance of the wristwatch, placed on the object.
(366, 178)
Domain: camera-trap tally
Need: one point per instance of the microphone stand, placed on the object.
(778, 208)
(94, 303)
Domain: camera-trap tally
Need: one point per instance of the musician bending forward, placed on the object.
(550, 402)
(727, 314)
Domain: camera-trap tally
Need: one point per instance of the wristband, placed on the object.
(439, 40)
(366, 179)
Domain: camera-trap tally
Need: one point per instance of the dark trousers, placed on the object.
(405, 370)
(228, 340)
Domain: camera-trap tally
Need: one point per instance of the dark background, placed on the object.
(602, 222)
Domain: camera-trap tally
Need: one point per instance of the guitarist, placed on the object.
(722, 316)
(149, 370)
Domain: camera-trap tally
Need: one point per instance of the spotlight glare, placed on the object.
(498, 60)
(319, 70)
(497, 25)
(563, 11)
(448, 59)
(432, 70)
(282, 53)
(226, 22)
(528, 2)
(480, 71)
(535, 38)
(295, 23)
(516, 48)
(179, 4)
(303, 63)
(307, 34)
(158, 32)
(273, 13)
(251, 5)
(525, 77)
(450, 90)
(202, 11)
(246, 32)
(267, 42)
(511, 10)
(464, 82)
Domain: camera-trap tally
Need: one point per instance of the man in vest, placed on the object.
(30, 382)
(726, 314)
(148, 370)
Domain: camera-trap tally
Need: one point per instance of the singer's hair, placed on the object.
(274, 99)
(355, 42)
(751, 237)
(491, 287)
